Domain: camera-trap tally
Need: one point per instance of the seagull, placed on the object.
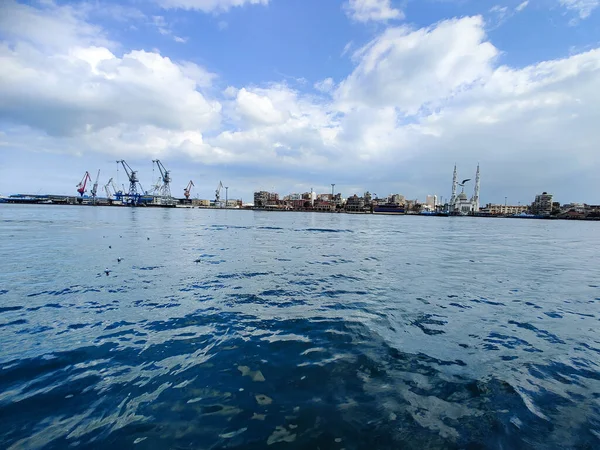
(107, 272)
(119, 259)
(464, 181)
(110, 246)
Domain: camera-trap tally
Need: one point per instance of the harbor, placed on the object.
(160, 196)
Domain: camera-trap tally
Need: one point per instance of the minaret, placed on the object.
(454, 184)
(476, 194)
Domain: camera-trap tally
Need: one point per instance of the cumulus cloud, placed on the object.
(257, 109)
(278, 125)
(372, 10)
(214, 6)
(89, 88)
(583, 7)
(49, 26)
(412, 69)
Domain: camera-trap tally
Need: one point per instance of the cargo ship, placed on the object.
(389, 208)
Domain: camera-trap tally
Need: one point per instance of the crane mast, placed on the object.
(94, 190)
(164, 190)
(107, 190)
(218, 193)
(82, 185)
(187, 190)
(133, 194)
(118, 194)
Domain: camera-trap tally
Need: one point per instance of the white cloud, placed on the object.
(372, 10)
(165, 29)
(501, 10)
(230, 92)
(258, 109)
(325, 85)
(214, 6)
(347, 48)
(499, 15)
(411, 69)
(49, 26)
(278, 125)
(90, 88)
(55, 75)
(202, 77)
(583, 7)
(522, 6)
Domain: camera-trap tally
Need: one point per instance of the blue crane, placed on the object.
(133, 196)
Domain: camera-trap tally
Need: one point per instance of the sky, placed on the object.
(289, 95)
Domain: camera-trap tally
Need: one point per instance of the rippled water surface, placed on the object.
(225, 329)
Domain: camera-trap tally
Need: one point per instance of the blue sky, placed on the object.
(376, 95)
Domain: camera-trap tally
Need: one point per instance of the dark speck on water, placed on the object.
(297, 331)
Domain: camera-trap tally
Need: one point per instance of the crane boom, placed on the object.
(218, 193)
(164, 189)
(164, 173)
(94, 190)
(118, 194)
(83, 183)
(188, 189)
(133, 195)
(107, 187)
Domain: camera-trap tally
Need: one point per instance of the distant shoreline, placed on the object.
(275, 210)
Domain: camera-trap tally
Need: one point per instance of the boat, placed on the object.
(389, 208)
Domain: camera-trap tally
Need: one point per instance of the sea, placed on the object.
(144, 328)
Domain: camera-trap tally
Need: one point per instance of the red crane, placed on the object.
(83, 183)
(187, 190)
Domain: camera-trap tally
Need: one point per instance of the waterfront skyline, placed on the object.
(288, 95)
(149, 183)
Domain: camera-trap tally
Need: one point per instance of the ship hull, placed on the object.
(396, 210)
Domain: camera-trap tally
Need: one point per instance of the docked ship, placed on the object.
(389, 208)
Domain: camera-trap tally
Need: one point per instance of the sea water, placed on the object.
(243, 329)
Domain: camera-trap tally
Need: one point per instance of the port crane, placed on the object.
(187, 190)
(133, 195)
(82, 184)
(107, 190)
(218, 193)
(164, 190)
(118, 195)
(94, 190)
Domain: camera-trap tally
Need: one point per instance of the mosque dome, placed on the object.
(462, 197)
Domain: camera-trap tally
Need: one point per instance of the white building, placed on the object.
(542, 205)
(461, 204)
(431, 201)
